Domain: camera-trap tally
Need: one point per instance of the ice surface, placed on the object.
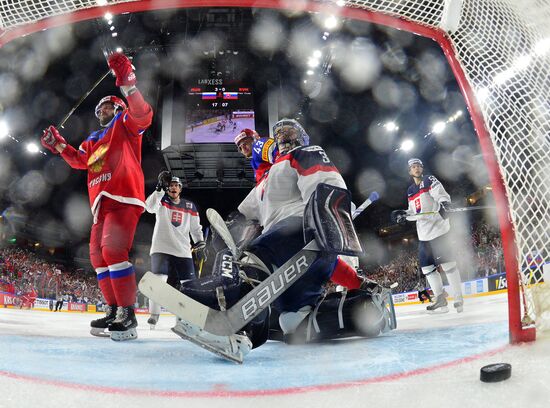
(430, 359)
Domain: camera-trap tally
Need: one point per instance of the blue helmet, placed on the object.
(289, 134)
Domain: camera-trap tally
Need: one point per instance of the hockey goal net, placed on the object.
(499, 51)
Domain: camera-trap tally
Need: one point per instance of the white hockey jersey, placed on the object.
(427, 197)
(174, 223)
(286, 189)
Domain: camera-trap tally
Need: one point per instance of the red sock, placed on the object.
(344, 275)
(123, 280)
(104, 281)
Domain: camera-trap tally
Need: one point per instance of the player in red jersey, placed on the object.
(112, 157)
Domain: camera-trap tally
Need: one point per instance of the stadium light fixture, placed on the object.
(317, 54)
(108, 17)
(101, 2)
(309, 72)
(32, 148)
(407, 145)
(439, 127)
(331, 22)
(4, 129)
(312, 62)
(391, 126)
(118, 49)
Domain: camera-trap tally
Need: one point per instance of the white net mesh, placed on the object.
(503, 47)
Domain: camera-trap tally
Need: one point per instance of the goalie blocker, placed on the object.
(328, 219)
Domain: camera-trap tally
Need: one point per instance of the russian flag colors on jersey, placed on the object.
(427, 197)
(285, 190)
(264, 153)
(112, 156)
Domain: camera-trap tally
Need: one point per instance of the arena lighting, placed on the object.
(439, 127)
(391, 126)
(312, 62)
(101, 2)
(331, 23)
(340, 3)
(108, 16)
(309, 72)
(32, 148)
(317, 54)
(118, 49)
(4, 129)
(407, 145)
(114, 34)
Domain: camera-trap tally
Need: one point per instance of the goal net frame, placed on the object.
(467, 32)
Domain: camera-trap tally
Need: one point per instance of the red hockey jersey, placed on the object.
(112, 156)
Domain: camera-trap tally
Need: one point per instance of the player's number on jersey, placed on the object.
(319, 150)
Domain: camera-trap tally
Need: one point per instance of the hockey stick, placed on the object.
(75, 107)
(411, 217)
(225, 323)
(218, 224)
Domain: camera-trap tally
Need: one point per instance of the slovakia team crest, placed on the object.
(177, 218)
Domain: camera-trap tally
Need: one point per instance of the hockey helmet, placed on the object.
(414, 160)
(175, 179)
(115, 100)
(288, 134)
(246, 133)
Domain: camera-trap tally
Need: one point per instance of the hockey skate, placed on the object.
(232, 348)
(124, 326)
(99, 327)
(459, 304)
(152, 321)
(439, 306)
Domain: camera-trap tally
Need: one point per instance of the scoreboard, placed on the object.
(215, 111)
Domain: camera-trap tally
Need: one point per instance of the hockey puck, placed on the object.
(495, 372)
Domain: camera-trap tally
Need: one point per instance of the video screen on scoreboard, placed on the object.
(216, 111)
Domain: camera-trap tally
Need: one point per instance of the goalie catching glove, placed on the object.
(51, 138)
(122, 68)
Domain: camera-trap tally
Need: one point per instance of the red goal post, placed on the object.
(499, 51)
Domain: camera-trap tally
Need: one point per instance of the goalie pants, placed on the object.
(284, 240)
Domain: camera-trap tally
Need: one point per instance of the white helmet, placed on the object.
(414, 160)
(289, 134)
(175, 179)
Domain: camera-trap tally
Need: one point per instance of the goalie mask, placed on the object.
(289, 134)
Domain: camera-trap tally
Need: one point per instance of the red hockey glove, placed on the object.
(51, 139)
(123, 69)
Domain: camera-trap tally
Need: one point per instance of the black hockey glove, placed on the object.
(399, 217)
(443, 210)
(199, 249)
(164, 179)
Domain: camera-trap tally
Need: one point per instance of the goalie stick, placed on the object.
(228, 322)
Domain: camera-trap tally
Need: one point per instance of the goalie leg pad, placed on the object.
(348, 314)
(327, 218)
